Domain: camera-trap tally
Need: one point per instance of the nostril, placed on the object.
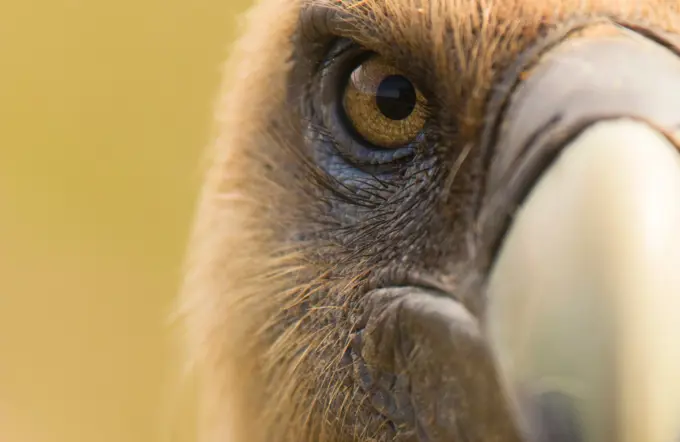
(556, 419)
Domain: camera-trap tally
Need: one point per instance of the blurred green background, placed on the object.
(105, 108)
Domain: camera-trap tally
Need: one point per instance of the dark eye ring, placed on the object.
(375, 113)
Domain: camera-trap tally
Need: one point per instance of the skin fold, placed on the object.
(339, 289)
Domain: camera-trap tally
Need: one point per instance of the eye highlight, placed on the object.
(383, 105)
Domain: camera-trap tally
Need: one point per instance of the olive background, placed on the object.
(105, 109)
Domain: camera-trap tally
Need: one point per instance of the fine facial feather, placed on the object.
(269, 309)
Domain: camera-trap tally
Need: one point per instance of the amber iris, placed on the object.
(383, 105)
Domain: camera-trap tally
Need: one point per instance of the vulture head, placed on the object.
(443, 221)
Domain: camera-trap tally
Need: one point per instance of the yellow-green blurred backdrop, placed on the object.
(105, 107)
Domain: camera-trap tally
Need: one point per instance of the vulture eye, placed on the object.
(383, 105)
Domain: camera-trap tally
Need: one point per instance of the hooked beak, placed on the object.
(583, 310)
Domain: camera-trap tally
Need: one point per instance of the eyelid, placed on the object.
(340, 47)
(324, 23)
(320, 22)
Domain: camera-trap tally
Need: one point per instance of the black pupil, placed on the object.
(396, 97)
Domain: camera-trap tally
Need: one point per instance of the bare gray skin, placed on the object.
(352, 265)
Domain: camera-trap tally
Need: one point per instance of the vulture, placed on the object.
(442, 221)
